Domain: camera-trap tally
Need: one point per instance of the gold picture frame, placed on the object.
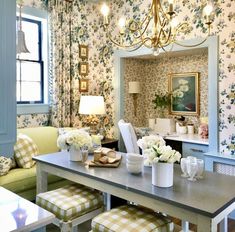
(83, 51)
(184, 90)
(83, 85)
(83, 69)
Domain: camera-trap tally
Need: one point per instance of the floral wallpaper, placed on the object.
(153, 75)
(32, 120)
(86, 28)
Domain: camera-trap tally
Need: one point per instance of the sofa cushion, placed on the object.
(5, 165)
(19, 179)
(45, 138)
(24, 150)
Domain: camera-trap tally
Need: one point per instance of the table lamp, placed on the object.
(134, 88)
(92, 106)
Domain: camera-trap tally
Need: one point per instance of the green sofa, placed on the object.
(23, 181)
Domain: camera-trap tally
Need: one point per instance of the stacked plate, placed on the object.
(134, 163)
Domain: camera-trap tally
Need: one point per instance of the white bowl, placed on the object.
(134, 162)
(134, 168)
(134, 157)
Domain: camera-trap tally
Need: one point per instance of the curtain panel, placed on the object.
(60, 88)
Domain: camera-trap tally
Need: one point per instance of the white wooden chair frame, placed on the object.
(71, 225)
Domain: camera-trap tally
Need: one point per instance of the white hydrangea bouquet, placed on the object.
(155, 150)
(75, 138)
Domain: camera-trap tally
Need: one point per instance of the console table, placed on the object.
(188, 144)
(204, 203)
(19, 214)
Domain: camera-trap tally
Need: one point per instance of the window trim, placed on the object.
(43, 108)
(38, 61)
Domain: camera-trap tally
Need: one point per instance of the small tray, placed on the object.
(92, 163)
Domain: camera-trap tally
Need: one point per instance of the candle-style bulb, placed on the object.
(174, 22)
(105, 10)
(121, 25)
(208, 9)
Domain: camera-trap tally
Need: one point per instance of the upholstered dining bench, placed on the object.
(131, 218)
(72, 205)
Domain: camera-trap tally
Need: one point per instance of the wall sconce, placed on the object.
(134, 89)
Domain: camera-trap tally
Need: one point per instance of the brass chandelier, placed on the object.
(157, 30)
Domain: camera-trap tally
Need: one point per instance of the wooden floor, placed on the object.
(231, 225)
(85, 227)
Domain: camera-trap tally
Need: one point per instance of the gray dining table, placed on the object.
(205, 202)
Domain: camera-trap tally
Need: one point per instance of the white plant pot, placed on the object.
(162, 174)
(183, 130)
(75, 155)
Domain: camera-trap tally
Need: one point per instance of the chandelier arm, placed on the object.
(157, 21)
(122, 45)
(162, 11)
(191, 46)
(145, 44)
(147, 16)
(164, 33)
(139, 46)
(141, 33)
(195, 45)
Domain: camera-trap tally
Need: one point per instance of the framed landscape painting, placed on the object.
(184, 90)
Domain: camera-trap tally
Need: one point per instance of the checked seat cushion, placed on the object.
(130, 218)
(70, 201)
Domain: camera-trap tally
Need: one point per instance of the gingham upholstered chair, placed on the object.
(131, 218)
(72, 205)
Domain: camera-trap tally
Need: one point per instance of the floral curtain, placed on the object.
(60, 62)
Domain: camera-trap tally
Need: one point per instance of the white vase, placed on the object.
(75, 154)
(162, 174)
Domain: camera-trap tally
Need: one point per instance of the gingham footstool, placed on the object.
(72, 205)
(131, 218)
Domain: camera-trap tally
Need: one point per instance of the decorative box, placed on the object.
(165, 125)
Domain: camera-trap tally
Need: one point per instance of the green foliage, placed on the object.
(161, 100)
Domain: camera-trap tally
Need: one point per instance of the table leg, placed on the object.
(41, 179)
(185, 226)
(223, 226)
(107, 201)
(205, 224)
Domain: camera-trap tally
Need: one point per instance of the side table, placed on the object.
(110, 143)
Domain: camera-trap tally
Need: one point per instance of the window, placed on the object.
(30, 66)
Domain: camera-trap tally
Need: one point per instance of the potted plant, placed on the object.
(161, 102)
(75, 141)
(161, 158)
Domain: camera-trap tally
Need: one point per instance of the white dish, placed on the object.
(134, 162)
(134, 157)
(133, 169)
